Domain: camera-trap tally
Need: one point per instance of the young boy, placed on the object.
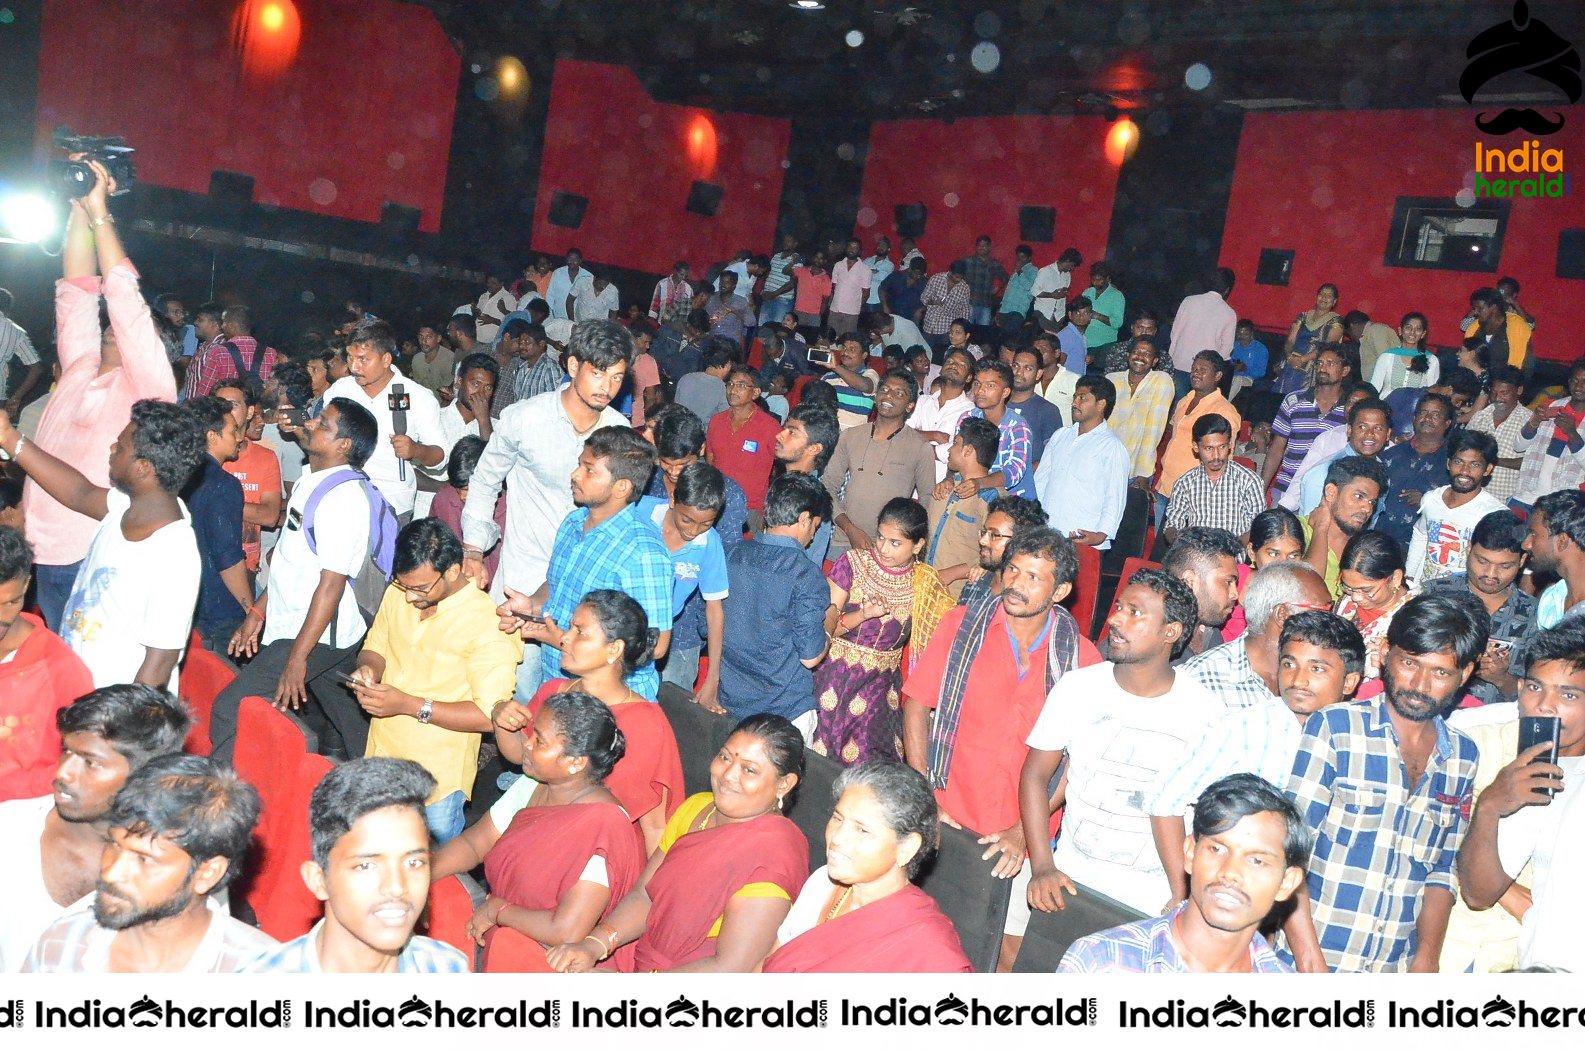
(953, 548)
(1250, 358)
(1321, 659)
(776, 396)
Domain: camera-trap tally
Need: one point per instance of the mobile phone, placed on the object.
(349, 679)
(1541, 729)
(530, 619)
(1502, 647)
(295, 417)
(819, 355)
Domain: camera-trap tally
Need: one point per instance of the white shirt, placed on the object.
(930, 414)
(29, 908)
(905, 334)
(1441, 533)
(563, 284)
(595, 306)
(394, 477)
(1051, 279)
(1082, 481)
(850, 285)
(132, 596)
(499, 304)
(534, 449)
(807, 909)
(1552, 839)
(881, 267)
(453, 429)
(1325, 446)
(1060, 392)
(341, 533)
(1120, 747)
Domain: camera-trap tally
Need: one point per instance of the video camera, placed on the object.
(73, 179)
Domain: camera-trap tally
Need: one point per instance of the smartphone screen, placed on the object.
(819, 356)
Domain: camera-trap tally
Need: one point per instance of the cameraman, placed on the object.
(102, 373)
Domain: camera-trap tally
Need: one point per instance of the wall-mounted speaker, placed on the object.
(910, 219)
(230, 194)
(704, 197)
(1275, 267)
(567, 209)
(1571, 254)
(400, 218)
(1037, 224)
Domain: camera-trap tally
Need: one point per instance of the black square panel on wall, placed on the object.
(1037, 224)
(705, 197)
(1571, 254)
(910, 219)
(567, 209)
(1275, 267)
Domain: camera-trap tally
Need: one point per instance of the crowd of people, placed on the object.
(1334, 724)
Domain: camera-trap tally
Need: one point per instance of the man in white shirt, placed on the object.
(850, 285)
(307, 625)
(938, 412)
(131, 608)
(1050, 289)
(1082, 480)
(1448, 515)
(54, 842)
(881, 267)
(1203, 322)
(179, 835)
(492, 308)
(534, 450)
(565, 284)
(597, 300)
(373, 384)
(1532, 815)
(893, 330)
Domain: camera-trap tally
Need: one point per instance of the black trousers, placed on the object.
(260, 676)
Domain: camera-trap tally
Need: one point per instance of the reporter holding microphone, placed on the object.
(406, 411)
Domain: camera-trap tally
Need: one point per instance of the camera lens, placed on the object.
(75, 179)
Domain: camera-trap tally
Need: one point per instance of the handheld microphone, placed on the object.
(398, 402)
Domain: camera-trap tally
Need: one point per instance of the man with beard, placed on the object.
(1496, 558)
(1249, 851)
(57, 839)
(1386, 786)
(1043, 418)
(1557, 545)
(1449, 515)
(1122, 726)
(1367, 434)
(1353, 486)
(1207, 560)
(1004, 519)
(877, 462)
(1304, 416)
(939, 411)
(179, 833)
(1415, 467)
(804, 445)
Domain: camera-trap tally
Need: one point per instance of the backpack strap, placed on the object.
(323, 489)
(236, 359)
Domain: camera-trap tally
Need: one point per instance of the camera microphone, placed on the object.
(397, 402)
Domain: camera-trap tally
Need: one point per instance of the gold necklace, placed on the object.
(838, 905)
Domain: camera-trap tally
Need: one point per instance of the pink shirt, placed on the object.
(88, 410)
(645, 374)
(812, 290)
(1204, 322)
(849, 283)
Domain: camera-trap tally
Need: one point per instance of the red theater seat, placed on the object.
(204, 676)
(1086, 588)
(1131, 566)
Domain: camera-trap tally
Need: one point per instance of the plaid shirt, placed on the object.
(1504, 483)
(1146, 947)
(944, 303)
(541, 377)
(1515, 623)
(1140, 417)
(14, 342)
(1012, 455)
(670, 300)
(76, 943)
(1255, 734)
(622, 553)
(1380, 842)
(213, 362)
(1230, 503)
(1567, 461)
(419, 955)
(981, 276)
(1300, 423)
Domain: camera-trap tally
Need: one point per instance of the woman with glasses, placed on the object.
(1371, 572)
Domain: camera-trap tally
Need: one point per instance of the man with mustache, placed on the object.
(56, 840)
(1353, 486)
(1004, 518)
(1248, 851)
(1415, 467)
(876, 462)
(179, 833)
(1449, 515)
(1368, 433)
(370, 865)
(1491, 572)
(1506, 335)
(1386, 787)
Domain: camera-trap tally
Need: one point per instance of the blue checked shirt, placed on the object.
(1146, 947)
(420, 955)
(1380, 842)
(1013, 453)
(1256, 732)
(688, 628)
(622, 554)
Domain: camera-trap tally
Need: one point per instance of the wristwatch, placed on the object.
(426, 711)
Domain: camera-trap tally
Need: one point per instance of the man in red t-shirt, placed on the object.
(741, 442)
(256, 468)
(39, 675)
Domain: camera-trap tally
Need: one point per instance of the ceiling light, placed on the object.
(807, 5)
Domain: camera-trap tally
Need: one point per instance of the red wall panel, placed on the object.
(973, 175)
(1324, 185)
(635, 159)
(362, 116)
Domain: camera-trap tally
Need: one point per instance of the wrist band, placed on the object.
(254, 609)
(94, 224)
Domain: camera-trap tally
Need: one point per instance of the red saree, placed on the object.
(651, 769)
(903, 933)
(702, 871)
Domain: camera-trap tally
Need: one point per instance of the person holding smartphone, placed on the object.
(1532, 815)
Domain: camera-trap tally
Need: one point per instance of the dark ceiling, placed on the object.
(891, 58)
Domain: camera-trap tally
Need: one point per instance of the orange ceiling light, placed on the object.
(1122, 138)
(265, 34)
(700, 145)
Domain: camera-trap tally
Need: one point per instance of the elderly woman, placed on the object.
(556, 866)
(861, 913)
(1371, 572)
(724, 875)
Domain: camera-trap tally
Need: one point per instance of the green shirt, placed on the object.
(1110, 303)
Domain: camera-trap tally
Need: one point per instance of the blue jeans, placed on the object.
(980, 316)
(682, 668)
(1161, 513)
(530, 674)
(1180, 382)
(54, 589)
(775, 310)
(445, 817)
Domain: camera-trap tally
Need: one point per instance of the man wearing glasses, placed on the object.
(432, 668)
(741, 442)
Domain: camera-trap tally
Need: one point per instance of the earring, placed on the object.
(778, 803)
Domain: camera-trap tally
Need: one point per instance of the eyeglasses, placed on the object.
(988, 534)
(1358, 593)
(418, 592)
(740, 385)
(1312, 606)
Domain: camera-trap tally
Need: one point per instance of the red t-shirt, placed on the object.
(813, 289)
(43, 677)
(745, 454)
(999, 710)
(259, 472)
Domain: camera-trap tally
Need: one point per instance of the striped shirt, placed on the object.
(1551, 461)
(1504, 483)
(1146, 947)
(1014, 450)
(14, 342)
(1229, 502)
(854, 405)
(1300, 422)
(76, 943)
(419, 955)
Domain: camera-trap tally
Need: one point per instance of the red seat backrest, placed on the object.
(796, 394)
(1131, 566)
(1085, 588)
(204, 676)
(450, 908)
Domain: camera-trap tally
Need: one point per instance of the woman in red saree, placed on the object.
(861, 913)
(557, 865)
(725, 872)
(606, 640)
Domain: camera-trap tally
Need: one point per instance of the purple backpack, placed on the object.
(370, 585)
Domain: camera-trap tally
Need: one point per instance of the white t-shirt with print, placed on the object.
(1120, 747)
(1440, 545)
(341, 533)
(132, 596)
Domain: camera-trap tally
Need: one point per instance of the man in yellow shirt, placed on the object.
(433, 666)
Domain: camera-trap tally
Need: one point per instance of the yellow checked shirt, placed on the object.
(458, 654)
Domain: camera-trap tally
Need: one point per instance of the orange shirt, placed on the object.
(258, 471)
(999, 709)
(1179, 458)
